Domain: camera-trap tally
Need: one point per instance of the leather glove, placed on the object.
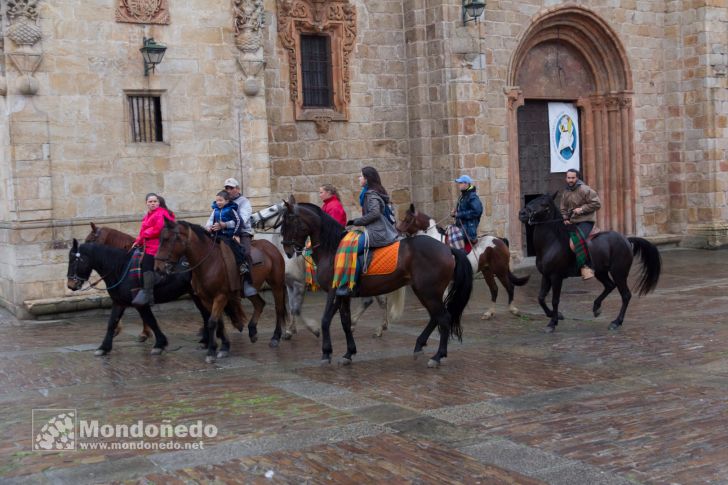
(350, 222)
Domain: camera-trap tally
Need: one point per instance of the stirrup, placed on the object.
(344, 291)
(243, 268)
(249, 289)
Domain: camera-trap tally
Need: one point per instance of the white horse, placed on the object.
(268, 220)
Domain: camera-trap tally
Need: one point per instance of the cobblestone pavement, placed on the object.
(646, 404)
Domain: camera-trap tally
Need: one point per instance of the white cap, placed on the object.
(231, 182)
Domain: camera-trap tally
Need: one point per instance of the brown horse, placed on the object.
(490, 256)
(422, 263)
(210, 276)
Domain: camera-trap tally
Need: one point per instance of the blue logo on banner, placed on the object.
(565, 136)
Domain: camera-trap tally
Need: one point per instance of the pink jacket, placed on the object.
(152, 225)
(332, 206)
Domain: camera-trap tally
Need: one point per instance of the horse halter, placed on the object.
(74, 266)
(168, 263)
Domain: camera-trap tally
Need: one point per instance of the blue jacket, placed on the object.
(228, 212)
(468, 212)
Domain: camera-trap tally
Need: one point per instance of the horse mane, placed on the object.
(197, 229)
(558, 224)
(115, 238)
(331, 231)
(117, 257)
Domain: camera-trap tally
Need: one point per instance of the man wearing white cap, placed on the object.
(232, 187)
(468, 210)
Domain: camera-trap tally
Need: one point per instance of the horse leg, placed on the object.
(144, 334)
(345, 315)
(603, 277)
(295, 301)
(542, 292)
(116, 313)
(439, 318)
(160, 340)
(332, 304)
(205, 314)
(508, 285)
(623, 288)
(218, 304)
(490, 281)
(382, 301)
(555, 297)
(258, 304)
(279, 300)
(225, 345)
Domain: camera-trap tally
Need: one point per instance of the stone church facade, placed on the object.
(416, 92)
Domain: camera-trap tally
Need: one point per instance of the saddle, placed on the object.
(383, 260)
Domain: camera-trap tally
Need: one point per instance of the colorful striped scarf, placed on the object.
(310, 265)
(345, 261)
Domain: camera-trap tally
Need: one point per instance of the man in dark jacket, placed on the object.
(468, 211)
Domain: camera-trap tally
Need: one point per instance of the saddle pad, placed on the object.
(345, 261)
(384, 260)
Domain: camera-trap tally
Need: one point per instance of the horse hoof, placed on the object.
(273, 343)
(344, 361)
(487, 316)
(377, 334)
(317, 333)
(614, 326)
(210, 359)
(326, 361)
(100, 352)
(157, 351)
(287, 335)
(223, 354)
(142, 338)
(253, 338)
(597, 312)
(561, 316)
(433, 364)
(515, 311)
(416, 354)
(549, 329)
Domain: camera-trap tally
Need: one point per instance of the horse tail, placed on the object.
(516, 281)
(395, 304)
(651, 264)
(459, 293)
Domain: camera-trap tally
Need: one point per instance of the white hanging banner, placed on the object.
(564, 137)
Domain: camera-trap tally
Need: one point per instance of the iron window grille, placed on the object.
(316, 73)
(145, 117)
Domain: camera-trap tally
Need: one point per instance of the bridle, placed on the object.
(169, 264)
(531, 222)
(74, 277)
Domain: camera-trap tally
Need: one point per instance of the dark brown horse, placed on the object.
(120, 240)
(490, 256)
(611, 256)
(423, 263)
(210, 276)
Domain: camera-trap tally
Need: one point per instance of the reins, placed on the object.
(75, 277)
(191, 268)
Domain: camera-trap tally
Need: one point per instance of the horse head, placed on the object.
(264, 218)
(173, 241)
(94, 235)
(410, 225)
(540, 210)
(293, 229)
(79, 268)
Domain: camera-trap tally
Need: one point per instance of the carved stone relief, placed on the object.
(335, 18)
(143, 11)
(23, 20)
(249, 20)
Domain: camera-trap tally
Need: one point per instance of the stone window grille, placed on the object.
(145, 118)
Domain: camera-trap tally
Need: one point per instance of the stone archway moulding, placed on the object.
(607, 116)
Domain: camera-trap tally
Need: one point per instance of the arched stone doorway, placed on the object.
(571, 54)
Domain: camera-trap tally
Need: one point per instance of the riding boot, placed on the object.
(586, 272)
(248, 288)
(146, 294)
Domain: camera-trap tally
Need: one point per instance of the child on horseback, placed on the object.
(377, 218)
(148, 239)
(225, 221)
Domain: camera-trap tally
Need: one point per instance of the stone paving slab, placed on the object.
(646, 404)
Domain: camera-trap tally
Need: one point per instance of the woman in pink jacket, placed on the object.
(148, 238)
(332, 205)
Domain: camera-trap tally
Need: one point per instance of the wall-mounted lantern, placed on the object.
(152, 54)
(472, 10)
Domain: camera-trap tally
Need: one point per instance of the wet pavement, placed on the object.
(510, 405)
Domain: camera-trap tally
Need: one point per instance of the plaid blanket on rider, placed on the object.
(135, 269)
(582, 253)
(455, 237)
(310, 268)
(345, 261)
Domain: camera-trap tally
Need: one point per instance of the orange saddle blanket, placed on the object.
(384, 260)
